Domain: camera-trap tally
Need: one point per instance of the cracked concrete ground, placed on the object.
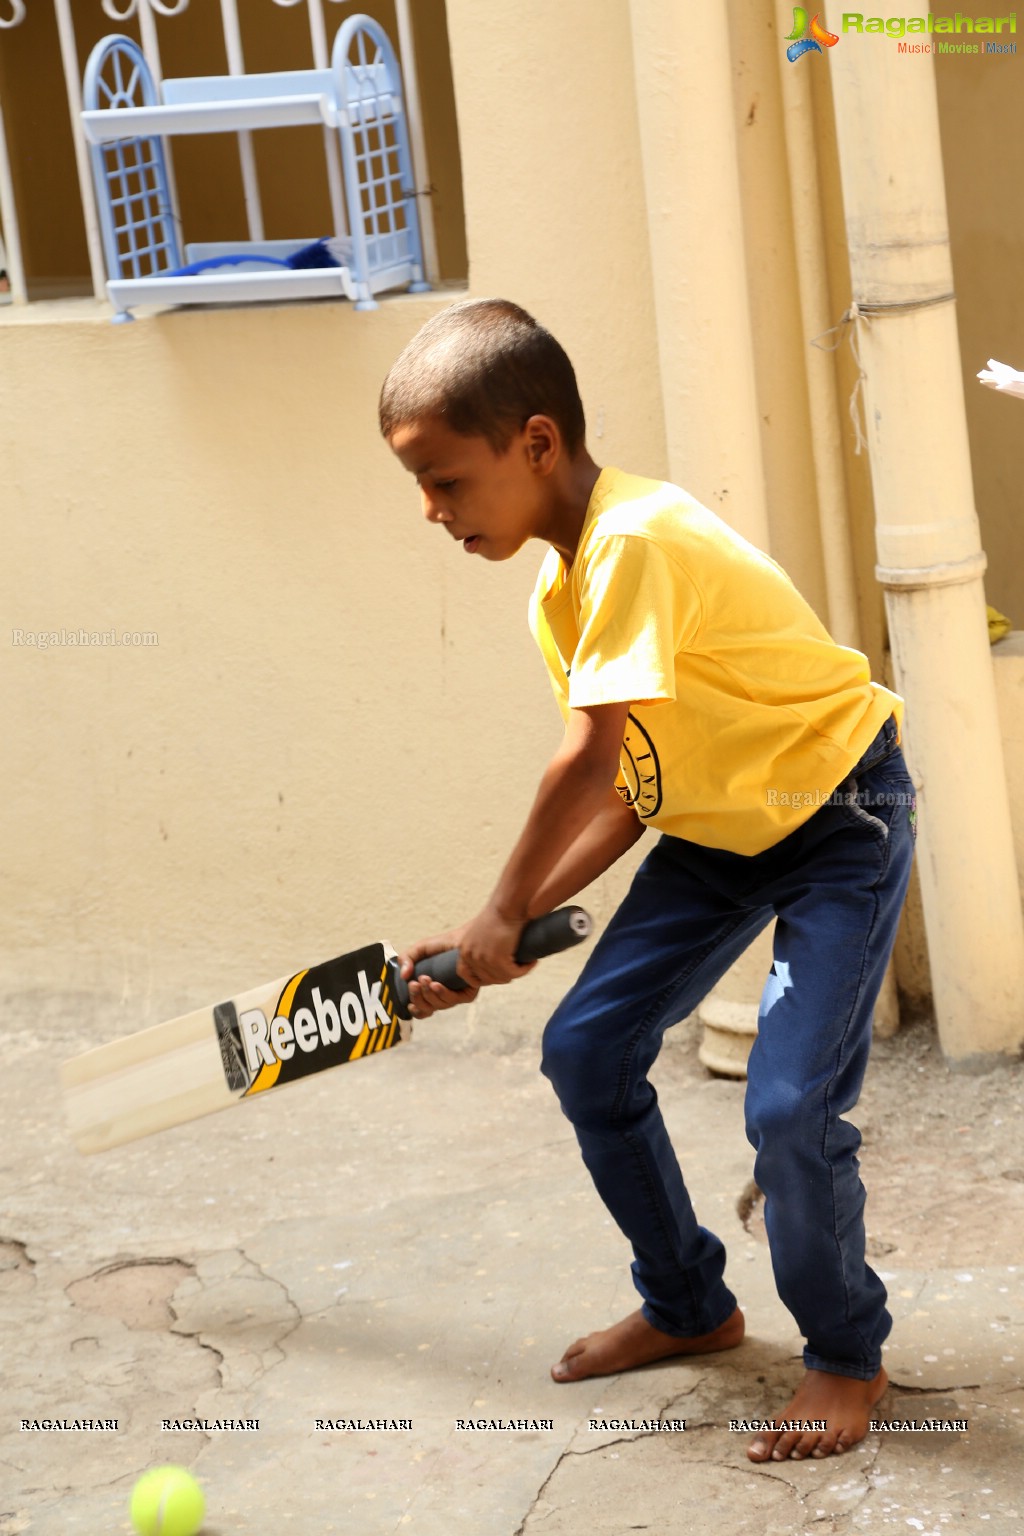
(415, 1239)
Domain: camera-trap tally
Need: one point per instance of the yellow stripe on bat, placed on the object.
(267, 1076)
(361, 1043)
(387, 1031)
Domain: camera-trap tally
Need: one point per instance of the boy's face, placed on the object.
(491, 502)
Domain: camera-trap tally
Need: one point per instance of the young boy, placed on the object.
(702, 696)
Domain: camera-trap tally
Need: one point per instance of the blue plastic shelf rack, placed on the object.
(126, 121)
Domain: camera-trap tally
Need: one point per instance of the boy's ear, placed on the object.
(543, 442)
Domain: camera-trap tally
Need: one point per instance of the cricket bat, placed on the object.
(339, 1011)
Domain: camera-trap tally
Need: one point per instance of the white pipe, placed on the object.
(72, 84)
(322, 60)
(417, 141)
(9, 223)
(236, 66)
(150, 42)
(10, 233)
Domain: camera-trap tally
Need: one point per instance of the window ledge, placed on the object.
(56, 311)
(91, 311)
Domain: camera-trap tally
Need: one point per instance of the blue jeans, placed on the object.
(836, 887)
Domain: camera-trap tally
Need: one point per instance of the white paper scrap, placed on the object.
(1002, 377)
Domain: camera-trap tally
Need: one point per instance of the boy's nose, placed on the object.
(433, 511)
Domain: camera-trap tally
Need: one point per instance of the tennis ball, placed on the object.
(167, 1502)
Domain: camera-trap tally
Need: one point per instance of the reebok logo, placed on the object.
(268, 1043)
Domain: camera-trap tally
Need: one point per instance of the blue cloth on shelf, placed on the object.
(319, 254)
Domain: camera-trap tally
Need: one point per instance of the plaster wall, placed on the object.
(340, 727)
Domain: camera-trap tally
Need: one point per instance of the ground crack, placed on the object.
(289, 1301)
(135, 1291)
(521, 1527)
(14, 1254)
(197, 1339)
(908, 1391)
(282, 1330)
(644, 1434)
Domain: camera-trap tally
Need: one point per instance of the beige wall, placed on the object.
(554, 197)
(341, 727)
(316, 751)
(983, 155)
(343, 723)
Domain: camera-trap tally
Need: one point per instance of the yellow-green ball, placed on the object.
(167, 1502)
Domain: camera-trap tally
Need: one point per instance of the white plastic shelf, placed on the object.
(233, 288)
(360, 97)
(137, 122)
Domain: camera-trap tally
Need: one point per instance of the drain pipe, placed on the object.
(930, 561)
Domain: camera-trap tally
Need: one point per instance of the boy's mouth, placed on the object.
(471, 544)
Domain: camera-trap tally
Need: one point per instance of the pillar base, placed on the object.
(730, 1030)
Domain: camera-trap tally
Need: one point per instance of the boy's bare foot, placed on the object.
(635, 1342)
(843, 1402)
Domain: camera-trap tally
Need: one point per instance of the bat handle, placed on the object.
(544, 936)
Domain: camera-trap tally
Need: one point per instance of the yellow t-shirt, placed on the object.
(744, 713)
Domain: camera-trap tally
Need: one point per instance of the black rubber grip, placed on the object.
(546, 935)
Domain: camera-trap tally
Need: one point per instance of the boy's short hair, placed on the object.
(484, 367)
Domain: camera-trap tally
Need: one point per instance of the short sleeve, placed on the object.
(638, 609)
(548, 649)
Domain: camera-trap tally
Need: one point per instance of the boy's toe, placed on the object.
(786, 1447)
(826, 1444)
(569, 1367)
(761, 1448)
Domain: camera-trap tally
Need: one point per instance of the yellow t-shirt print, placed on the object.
(744, 713)
(639, 781)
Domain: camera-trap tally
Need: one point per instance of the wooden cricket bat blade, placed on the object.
(336, 1012)
(339, 1011)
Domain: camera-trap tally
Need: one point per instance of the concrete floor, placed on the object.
(415, 1239)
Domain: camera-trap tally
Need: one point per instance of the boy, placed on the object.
(701, 695)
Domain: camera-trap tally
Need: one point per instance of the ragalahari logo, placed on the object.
(799, 41)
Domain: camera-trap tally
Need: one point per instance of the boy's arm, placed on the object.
(573, 790)
(577, 827)
(613, 831)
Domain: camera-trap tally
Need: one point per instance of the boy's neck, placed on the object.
(569, 511)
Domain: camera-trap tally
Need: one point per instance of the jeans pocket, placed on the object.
(876, 800)
(858, 803)
(898, 789)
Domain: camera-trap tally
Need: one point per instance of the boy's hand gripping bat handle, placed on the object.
(544, 936)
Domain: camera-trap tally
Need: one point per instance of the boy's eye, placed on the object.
(443, 485)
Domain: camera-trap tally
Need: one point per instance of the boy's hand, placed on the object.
(427, 996)
(487, 949)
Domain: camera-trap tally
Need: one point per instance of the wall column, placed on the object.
(702, 308)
